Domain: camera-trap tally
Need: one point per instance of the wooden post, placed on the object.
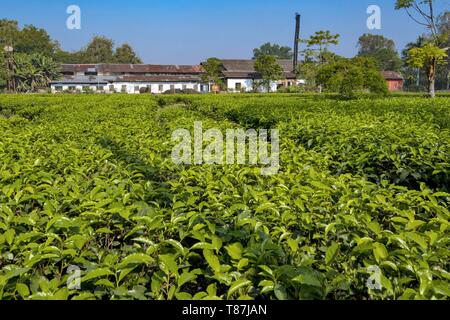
(10, 67)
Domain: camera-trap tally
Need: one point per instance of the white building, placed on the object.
(240, 75)
(127, 78)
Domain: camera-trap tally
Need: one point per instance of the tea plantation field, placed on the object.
(358, 210)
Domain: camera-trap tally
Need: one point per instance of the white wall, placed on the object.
(77, 87)
(247, 84)
(130, 87)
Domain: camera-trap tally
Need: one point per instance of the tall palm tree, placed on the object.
(34, 71)
(49, 70)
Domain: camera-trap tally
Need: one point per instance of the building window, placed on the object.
(238, 86)
(172, 87)
(58, 88)
(72, 88)
(111, 88)
(196, 87)
(136, 88)
(161, 88)
(86, 88)
(100, 88)
(184, 87)
(124, 88)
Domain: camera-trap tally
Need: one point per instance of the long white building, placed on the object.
(128, 78)
(238, 75)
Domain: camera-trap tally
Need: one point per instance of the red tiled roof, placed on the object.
(392, 75)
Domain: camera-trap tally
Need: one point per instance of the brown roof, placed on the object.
(249, 65)
(392, 75)
(253, 75)
(236, 68)
(133, 68)
(156, 78)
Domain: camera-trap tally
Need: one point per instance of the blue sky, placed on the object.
(186, 32)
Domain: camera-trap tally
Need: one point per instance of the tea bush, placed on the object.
(88, 182)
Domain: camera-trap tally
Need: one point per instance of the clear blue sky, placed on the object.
(186, 32)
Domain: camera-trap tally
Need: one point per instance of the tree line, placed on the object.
(34, 58)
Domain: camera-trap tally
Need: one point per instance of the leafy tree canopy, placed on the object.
(27, 40)
(382, 50)
(269, 69)
(323, 39)
(126, 54)
(99, 50)
(275, 50)
(213, 71)
(350, 76)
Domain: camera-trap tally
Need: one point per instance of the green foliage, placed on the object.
(34, 71)
(27, 40)
(318, 45)
(9, 30)
(269, 69)
(381, 49)
(429, 57)
(352, 76)
(87, 181)
(323, 39)
(275, 50)
(125, 54)
(213, 71)
(426, 56)
(99, 50)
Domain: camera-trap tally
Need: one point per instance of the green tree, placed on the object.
(429, 57)
(443, 25)
(423, 13)
(415, 78)
(269, 70)
(33, 40)
(213, 71)
(381, 49)
(62, 56)
(319, 43)
(34, 71)
(275, 50)
(49, 70)
(99, 50)
(348, 77)
(309, 69)
(9, 30)
(126, 54)
(26, 75)
(28, 40)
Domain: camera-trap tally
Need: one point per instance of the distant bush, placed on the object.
(180, 91)
(291, 89)
(349, 77)
(145, 90)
